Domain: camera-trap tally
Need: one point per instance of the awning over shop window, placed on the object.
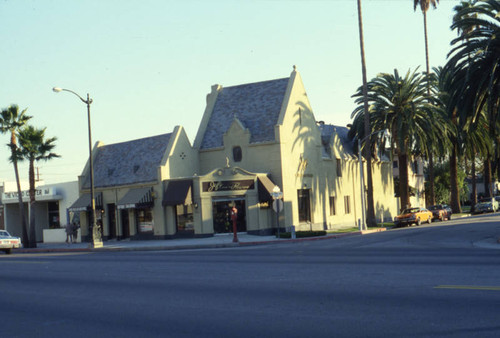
(136, 199)
(84, 203)
(178, 192)
(266, 187)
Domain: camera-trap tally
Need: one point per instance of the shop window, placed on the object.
(184, 215)
(339, 167)
(347, 204)
(145, 221)
(237, 154)
(304, 205)
(53, 208)
(332, 205)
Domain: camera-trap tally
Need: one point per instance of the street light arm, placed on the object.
(57, 90)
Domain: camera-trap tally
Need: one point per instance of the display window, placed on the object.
(145, 221)
(184, 217)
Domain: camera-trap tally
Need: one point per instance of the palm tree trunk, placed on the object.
(454, 192)
(432, 197)
(474, 186)
(403, 181)
(13, 144)
(32, 243)
(487, 177)
(370, 211)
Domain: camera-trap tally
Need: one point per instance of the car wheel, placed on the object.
(419, 222)
(8, 251)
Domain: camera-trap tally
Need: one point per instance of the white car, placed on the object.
(8, 242)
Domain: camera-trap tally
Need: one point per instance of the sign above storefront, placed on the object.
(42, 194)
(215, 186)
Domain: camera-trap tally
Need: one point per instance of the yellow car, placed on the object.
(413, 216)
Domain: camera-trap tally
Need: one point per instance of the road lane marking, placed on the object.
(468, 287)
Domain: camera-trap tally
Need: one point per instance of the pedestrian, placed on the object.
(69, 233)
(75, 232)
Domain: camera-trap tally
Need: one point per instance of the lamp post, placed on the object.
(362, 179)
(96, 239)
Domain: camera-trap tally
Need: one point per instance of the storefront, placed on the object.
(51, 208)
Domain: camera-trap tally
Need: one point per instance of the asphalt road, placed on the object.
(429, 281)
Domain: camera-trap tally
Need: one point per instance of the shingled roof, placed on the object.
(327, 130)
(256, 105)
(128, 162)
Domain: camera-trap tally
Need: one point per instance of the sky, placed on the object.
(149, 64)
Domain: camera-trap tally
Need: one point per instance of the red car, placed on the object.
(440, 211)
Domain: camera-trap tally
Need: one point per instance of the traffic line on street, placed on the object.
(468, 287)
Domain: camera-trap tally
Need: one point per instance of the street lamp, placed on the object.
(96, 239)
(362, 179)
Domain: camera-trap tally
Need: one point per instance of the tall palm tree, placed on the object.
(34, 147)
(474, 60)
(370, 210)
(10, 122)
(424, 6)
(474, 64)
(399, 105)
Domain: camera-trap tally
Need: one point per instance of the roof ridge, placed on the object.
(255, 83)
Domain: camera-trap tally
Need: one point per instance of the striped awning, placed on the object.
(137, 198)
(84, 203)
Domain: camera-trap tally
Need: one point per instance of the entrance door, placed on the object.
(125, 224)
(112, 220)
(222, 216)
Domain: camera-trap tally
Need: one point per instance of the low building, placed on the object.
(51, 208)
(252, 138)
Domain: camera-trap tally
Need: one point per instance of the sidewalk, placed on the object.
(217, 241)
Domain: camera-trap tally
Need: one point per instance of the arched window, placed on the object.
(237, 154)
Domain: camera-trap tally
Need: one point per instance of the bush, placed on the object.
(302, 234)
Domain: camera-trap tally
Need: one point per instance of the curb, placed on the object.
(194, 246)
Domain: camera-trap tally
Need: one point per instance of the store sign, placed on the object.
(39, 194)
(228, 185)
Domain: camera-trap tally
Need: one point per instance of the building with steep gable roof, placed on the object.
(252, 138)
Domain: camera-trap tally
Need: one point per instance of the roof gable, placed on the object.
(130, 162)
(256, 105)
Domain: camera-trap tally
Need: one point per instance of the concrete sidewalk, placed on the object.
(217, 241)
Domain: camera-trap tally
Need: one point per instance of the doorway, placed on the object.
(111, 220)
(125, 224)
(221, 211)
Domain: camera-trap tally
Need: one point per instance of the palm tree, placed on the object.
(370, 210)
(474, 65)
(399, 105)
(424, 6)
(474, 62)
(34, 147)
(10, 122)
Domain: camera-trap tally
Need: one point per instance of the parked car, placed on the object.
(413, 216)
(492, 200)
(483, 207)
(440, 212)
(8, 242)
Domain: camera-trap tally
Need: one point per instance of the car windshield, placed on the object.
(411, 210)
(434, 207)
(4, 233)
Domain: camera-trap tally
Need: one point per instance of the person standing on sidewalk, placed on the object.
(69, 233)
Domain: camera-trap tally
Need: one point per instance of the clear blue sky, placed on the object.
(149, 64)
